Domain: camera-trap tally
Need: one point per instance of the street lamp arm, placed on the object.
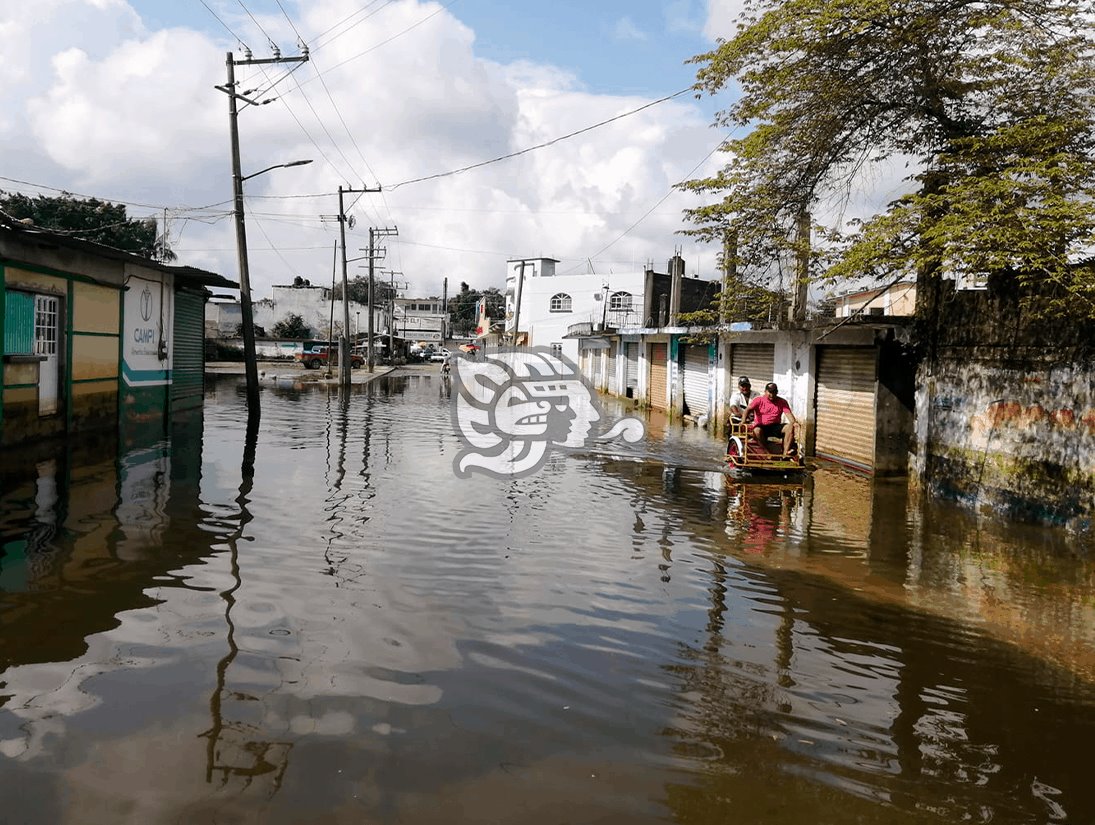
(276, 166)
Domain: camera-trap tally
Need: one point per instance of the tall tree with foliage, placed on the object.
(89, 220)
(991, 103)
(461, 307)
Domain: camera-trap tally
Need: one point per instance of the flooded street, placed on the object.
(356, 635)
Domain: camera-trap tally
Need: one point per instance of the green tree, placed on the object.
(291, 326)
(90, 220)
(991, 103)
(358, 288)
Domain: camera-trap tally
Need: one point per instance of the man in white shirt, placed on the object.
(739, 401)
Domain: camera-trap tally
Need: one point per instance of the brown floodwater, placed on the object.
(356, 635)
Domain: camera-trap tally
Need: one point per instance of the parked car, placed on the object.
(318, 356)
(440, 355)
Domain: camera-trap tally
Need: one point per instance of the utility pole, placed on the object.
(802, 268)
(517, 302)
(344, 364)
(729, 274)
(374, 233)
(229, 88)
(444, 306)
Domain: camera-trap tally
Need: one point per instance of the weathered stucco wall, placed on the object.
(1006, 410)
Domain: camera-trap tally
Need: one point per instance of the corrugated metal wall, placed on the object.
(697, 381)
(845, 405)
(611, 381)
(657, 384)
(755, 360)
(187, 367)
(631, 381)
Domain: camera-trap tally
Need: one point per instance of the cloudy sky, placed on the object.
(116, 99)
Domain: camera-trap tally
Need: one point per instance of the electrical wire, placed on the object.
(663, 199)
(235, 36)
(551, 142)
(390, 39)
(269, 39)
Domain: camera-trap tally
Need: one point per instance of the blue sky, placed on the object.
(612, 46)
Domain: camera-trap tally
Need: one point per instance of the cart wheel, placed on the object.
(735, 452)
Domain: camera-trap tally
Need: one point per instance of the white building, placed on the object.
(421, 319)
(311, 303)
(551, 303)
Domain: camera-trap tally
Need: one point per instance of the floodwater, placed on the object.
(355, 635)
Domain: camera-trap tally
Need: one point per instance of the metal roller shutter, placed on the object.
(755, 360)
(187, 365)
(631, 380)
(586, 358)
(597, 362)
(697, 380)
(657, 383)
(846, 405)
(610, 365)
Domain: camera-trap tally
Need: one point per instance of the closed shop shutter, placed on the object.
(758, 361)
(587, 364)
(597, 362)
(610, 365)
(657, 384)
(697, 381)
(846, 405)
(187, 367)
(631, 381)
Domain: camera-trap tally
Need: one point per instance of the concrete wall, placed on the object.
(1006, 409)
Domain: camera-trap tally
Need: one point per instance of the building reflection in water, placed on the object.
(826, 680)
(88, 532)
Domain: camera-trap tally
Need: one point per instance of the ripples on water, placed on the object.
(356, 635)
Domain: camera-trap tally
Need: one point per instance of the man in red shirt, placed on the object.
(768, 411)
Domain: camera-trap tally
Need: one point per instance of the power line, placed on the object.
(269, 39)
(541, 145)
(390, 39)
(663, 199)
(235, 36)
(291, 23)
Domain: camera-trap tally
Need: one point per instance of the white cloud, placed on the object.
(625, 29)
(105, 107)
(722, 18)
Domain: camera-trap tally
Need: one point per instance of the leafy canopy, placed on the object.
(90, 220)
(990, 102)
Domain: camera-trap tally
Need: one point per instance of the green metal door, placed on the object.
(187, 369)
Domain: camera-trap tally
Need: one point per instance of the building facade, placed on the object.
(95, 338)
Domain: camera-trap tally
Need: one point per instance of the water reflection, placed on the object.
(316, 621)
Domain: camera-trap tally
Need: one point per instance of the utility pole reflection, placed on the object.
(233, 748)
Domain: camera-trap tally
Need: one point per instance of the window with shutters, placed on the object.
(19, 317)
